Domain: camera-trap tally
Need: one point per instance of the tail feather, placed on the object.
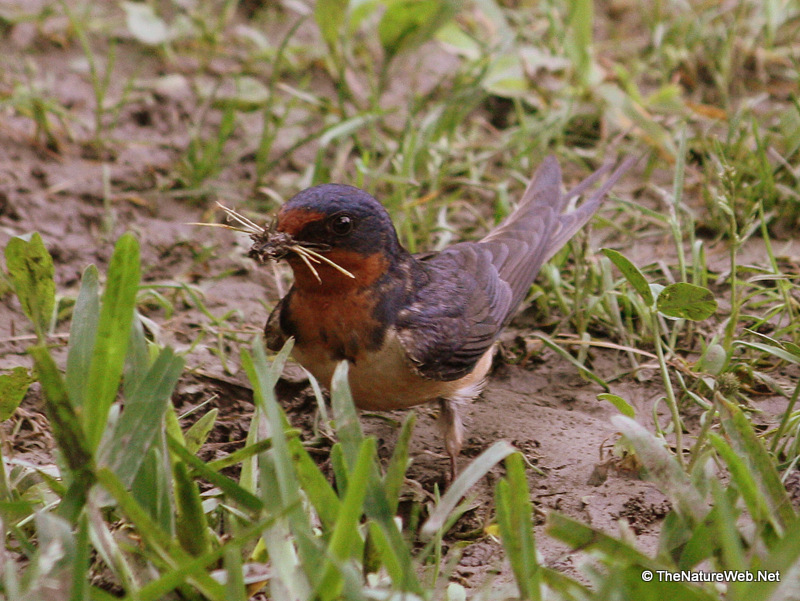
(538, 228)
(570, 223)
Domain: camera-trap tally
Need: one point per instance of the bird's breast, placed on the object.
(383, 379)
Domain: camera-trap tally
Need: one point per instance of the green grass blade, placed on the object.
(194, 569)
(67, 431)
(744, 479)
(113, 332)
(514, 517)
(568, 588)
(348, 427)
(579, 39)
(240, 456)
(190, 523)
(82, 334)
(137, 361)
(248, 478)
(235, 492)
(727, 532)
(346, 541)
(474, 472)
(234, 584)
(782, 559)
(745, 442)
(581, 536)
(565, 355)
(135, 431)
(279, 484)
(386, 552)
(377, 504)
(663, 469)
(160, 543)
(80, 561)
(314, 483)
(153, 486)
(398, 464)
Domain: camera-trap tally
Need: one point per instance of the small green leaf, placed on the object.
(409, 23)
(506, 77)
(13, 387)
(197, 434)
(714, 360)
(330, 15)
(686, 301)
(631, 273)
(621, 404)
(30, 268)
(249, 94)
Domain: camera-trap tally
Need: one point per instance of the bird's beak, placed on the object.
(270, 245)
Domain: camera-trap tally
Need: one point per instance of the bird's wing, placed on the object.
(455, 317)
(473, 288)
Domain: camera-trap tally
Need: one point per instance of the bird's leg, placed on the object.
(453, 432)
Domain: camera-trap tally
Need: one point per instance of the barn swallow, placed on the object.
(413, 328)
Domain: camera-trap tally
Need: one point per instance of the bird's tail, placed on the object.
(538, 228)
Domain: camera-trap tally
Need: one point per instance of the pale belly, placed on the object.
(385, 380)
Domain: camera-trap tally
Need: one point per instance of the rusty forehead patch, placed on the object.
(292, 221)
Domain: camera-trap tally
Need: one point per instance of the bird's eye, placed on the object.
(341, 224)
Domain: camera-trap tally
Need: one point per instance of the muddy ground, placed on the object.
(80, 198)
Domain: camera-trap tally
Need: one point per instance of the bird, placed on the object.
(414, 328)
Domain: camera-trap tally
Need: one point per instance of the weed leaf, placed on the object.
(631, 273)
(30, 268)
(13, 387)
(114, 330)
(686, 301)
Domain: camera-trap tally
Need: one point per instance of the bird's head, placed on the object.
(329, 234)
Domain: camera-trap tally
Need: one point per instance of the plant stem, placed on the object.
(785, 420)
(671, 400)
